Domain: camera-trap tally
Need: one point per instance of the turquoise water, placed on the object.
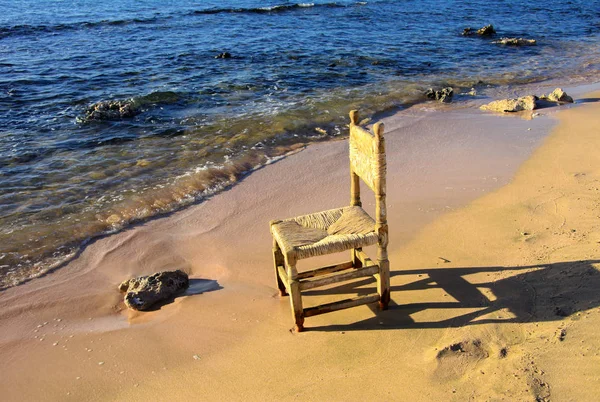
(295, 71)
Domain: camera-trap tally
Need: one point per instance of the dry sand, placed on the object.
(495, 300)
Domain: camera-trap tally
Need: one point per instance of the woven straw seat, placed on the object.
(325, 232)
(337, 230)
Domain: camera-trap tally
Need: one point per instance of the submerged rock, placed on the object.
(512, 105)
(558, 95)
(110, 110)
(515, 42)
(144, 291)
(224, 55)
(487, 30)
(444, 95)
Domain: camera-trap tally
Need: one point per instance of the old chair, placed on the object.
(337, 230)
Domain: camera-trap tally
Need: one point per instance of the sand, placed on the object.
(494, 253)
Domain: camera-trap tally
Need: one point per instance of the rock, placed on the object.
(558, 95)
(110, 110)
(562, 335)
(515, 42)
(445, 95)
(512, 105)
(487, 30)
(224, 55)
(142, 292)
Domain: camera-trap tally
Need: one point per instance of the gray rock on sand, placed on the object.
(144, 291)
(110, 110)
(558, 95)
(487, 30)
(444, 95)
(515, 42)
(512, 105)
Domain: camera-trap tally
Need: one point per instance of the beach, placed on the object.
(494, 238)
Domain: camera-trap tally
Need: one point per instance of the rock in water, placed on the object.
(467, 32)
(110, 110)
(512, 105)
(515, 42)
(487, 30)
(445, 95)
(558, 95)
(224, 55)
(144, 291)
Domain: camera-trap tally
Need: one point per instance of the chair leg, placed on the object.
(356, 262)
(278, 261)
(383, 284)
(295, 295)
(296, 302)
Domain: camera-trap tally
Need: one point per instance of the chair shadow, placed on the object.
(196, 287)
(536, 293)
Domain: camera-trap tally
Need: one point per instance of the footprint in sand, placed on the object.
(456, 359)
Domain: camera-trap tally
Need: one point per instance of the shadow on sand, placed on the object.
(196, 287)
(546, 292)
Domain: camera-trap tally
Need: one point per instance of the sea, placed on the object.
(222, 88)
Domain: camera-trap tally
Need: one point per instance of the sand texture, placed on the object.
(495, 282)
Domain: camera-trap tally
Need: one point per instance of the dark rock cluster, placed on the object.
(110, 110)
(487, 30)
(444, 95)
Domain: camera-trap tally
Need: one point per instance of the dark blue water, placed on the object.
(295, 71)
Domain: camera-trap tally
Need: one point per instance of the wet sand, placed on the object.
(494, 281)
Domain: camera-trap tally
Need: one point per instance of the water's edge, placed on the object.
(48, 265)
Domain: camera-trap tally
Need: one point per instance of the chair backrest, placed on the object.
(368, 162)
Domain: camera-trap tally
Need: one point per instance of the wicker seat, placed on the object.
(338, 230)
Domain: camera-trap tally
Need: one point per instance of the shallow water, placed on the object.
(295, 72)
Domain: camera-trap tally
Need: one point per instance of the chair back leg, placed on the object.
(354, 257)
(278, 261)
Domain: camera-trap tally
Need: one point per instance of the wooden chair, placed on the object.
(337, 230)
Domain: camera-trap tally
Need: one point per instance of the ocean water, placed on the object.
(295, 71)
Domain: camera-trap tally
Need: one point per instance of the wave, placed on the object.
(275, 9)
(26, 30)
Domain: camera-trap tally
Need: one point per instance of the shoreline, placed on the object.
(226, 240)
(19, 275)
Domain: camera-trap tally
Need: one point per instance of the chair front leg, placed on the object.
(383, 283)
(295, 295)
